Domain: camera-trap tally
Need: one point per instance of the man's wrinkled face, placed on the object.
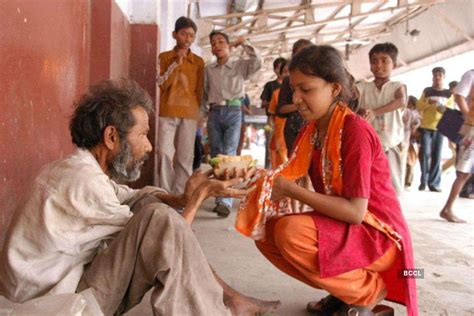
(127, 164)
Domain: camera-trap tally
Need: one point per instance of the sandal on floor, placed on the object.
(383, 310)
(325, 307)
(353, 310)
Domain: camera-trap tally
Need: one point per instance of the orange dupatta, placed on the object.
(258, 207)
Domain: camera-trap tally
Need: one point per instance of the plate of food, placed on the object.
(232, 163)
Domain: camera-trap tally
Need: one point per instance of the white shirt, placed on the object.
(464, 88)
(389, 126)
(72, 209)
(226, 82)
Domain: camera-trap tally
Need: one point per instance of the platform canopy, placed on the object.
(425, 31)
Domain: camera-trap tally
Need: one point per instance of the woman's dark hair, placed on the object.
(327, 63)
(107, 104)
(183, 23)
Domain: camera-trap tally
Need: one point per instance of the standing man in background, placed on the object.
(431, 107)
(223, 93)
(181, 84)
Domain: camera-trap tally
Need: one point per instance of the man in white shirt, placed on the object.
(79, 229)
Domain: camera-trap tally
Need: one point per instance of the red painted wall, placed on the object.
(143, 59)
(100, 18)
(43, 66)
(119, 44)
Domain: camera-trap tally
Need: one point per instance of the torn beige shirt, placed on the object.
(70, 212)
(389, 126)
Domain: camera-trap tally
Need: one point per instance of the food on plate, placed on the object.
(222, 162)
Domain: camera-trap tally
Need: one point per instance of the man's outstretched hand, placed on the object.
(204, 183)
(201, 185)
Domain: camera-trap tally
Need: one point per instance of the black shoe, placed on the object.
(221, 210)
(422, 187)
(325, 307)
(435, 189)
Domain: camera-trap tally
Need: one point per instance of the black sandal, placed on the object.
(325, 307)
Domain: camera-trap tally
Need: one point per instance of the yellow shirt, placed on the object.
(181, 85)
(430, 113)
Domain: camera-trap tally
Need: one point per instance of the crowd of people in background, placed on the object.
(210, 102)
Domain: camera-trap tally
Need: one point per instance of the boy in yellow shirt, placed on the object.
(181, 84)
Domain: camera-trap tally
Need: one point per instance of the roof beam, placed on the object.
(354, 24)
(282, 9)
(317, 23)
(452, 24)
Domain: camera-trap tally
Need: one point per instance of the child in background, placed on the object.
(382, 103)
(181, 83)
(411, 121)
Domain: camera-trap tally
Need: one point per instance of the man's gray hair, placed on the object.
(108, 103)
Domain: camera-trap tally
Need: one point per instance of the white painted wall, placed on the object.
(140, 11)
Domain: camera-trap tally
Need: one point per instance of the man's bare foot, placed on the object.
(450, 217)
(241, 305)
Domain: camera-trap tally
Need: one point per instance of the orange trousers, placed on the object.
(291, 245)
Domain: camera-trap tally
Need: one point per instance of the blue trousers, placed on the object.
(223, 128)
(431, 143)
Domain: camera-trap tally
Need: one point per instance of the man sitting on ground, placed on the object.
(79, 229)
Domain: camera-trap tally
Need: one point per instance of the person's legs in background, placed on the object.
(394, 156)
(215, 132)
(434, 179)
(166, 135)
(424, 156)
(185, 138)
(225, 130)
(232, 121)
(198, 152)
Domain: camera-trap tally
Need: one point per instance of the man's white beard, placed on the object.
(118, 166)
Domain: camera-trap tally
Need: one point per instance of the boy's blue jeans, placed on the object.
(431, 143)
(223, 128)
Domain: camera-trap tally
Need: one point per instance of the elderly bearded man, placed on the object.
(79, 229)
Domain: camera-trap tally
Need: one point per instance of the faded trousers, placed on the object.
(431, 143)
(223, 127)
(156, 249)
(292, 246)
(396, 164)
(176, 138)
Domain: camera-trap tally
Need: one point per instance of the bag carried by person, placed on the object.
(450, 124)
